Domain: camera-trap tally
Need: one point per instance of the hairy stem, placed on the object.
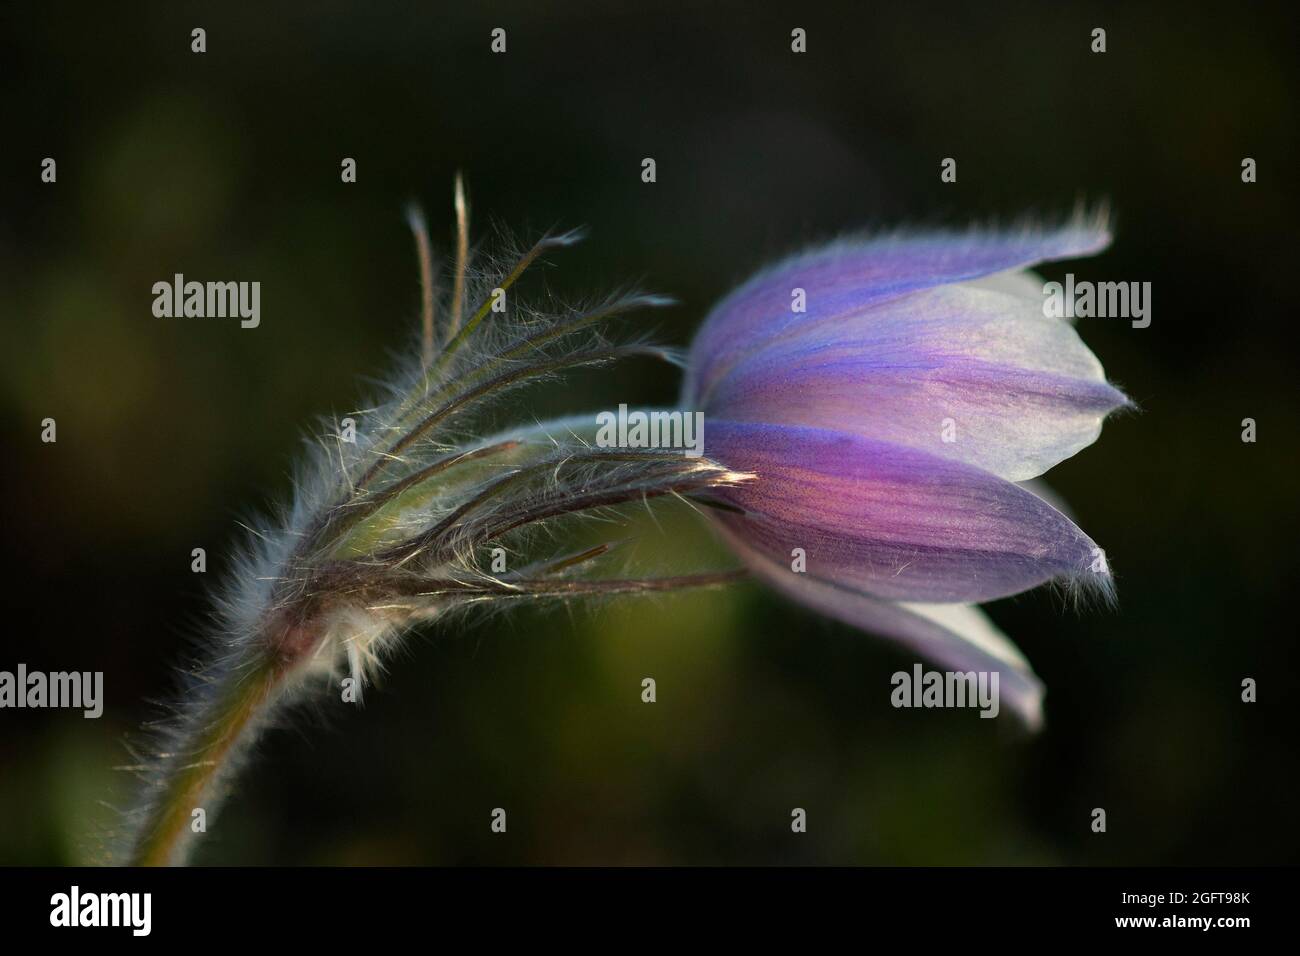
(440, 414)
(194, 774)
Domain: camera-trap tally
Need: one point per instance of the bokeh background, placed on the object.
(226, 165)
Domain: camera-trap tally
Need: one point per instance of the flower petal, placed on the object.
(966, 373)
(843, 277)
(958, 637)
(896, 522)
(1022, 283)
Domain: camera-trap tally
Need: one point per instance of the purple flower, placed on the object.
(890, 396)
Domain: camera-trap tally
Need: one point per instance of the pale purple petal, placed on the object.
(966, 373)
(843, 277)
(1042, 489)
(896, 522)
(958, 637)
(1022, 283)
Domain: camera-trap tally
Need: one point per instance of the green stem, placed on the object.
(164, 834)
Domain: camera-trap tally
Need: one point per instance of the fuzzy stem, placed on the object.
(455, 342)
(462, 257)
(162, 835)
(424, 253)
(445, 411)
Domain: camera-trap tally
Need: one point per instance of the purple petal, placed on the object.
(965, 373)
(843, 277)
(895, 522)
(958, 637)
(1022, 283)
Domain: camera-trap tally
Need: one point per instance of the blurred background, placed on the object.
(227, 165)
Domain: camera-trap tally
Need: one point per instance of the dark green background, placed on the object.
(226, 165)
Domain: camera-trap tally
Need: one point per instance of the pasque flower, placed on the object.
(826, 431)
(890, 398)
